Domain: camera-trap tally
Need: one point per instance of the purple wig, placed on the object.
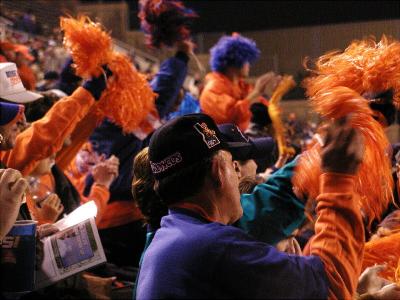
(233, 51)
(165, 22)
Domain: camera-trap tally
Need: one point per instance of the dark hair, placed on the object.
(153, 209)
(383, 103)
(37, 109)
(184, 183)
(247, 184)
(51, 75)
(260, 114)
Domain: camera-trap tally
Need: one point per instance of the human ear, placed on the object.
(216, 171)
(237, 167)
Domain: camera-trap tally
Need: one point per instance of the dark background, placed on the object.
(228, 16)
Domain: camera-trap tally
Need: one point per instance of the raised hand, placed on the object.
(12, 190)
(369, 281)
(105, 172)
(186, 46)
(265, 82)
(48, 210)
(343, 149)
(388, 292)
(97, 85)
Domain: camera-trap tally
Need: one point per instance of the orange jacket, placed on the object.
(119, 213)
(226, 101)
(339, 234)
(46, 136)
(98, 193)
(108, 214)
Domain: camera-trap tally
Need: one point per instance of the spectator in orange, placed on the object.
(47, 135)
(227, 97)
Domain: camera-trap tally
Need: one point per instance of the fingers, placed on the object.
(266, 78)
(46, 230)
(267, 75)
(105, 173)
(385, 282)
(346, 137)
(53, 201)
(112, 169)
(113, 160)
(50, 209)
(296, 246)
(375, 269)
(341, 136)
(13, 185)
(9, 177)
(290, 249)
(19, 187)
(293, 247)
(60, 208)
(112, 164)
(343, 148)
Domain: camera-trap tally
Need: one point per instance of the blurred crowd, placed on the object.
(217, 192)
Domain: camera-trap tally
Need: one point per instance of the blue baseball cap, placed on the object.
(10, 112)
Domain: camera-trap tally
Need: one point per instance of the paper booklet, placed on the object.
(75, 248)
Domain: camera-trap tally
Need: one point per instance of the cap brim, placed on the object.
(239, 150)
(58, 92)
(22, 97)
(262, 147)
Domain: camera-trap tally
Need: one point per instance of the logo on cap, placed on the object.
(209, 137)
(166, 163)
(13, 77)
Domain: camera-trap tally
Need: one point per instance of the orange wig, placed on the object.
(384, 251)
(336, 89)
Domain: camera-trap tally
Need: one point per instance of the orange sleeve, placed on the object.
(100, 195)
(224, 108)
(46, 136)
(119, 213)
(339, 234)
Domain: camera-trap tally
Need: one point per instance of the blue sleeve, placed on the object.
(272, 211)
(168, 82)
(109, 139)
(251, 269)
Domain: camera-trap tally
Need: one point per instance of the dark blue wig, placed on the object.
(165, 22)
(233, 51)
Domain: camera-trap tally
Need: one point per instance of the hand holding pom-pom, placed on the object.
(96, 85)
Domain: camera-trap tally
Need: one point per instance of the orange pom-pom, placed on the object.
(374, 180)
(127, 87)
(336, 89)
(128, 97)
(90, 46)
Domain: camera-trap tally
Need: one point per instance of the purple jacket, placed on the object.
(191, 257)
